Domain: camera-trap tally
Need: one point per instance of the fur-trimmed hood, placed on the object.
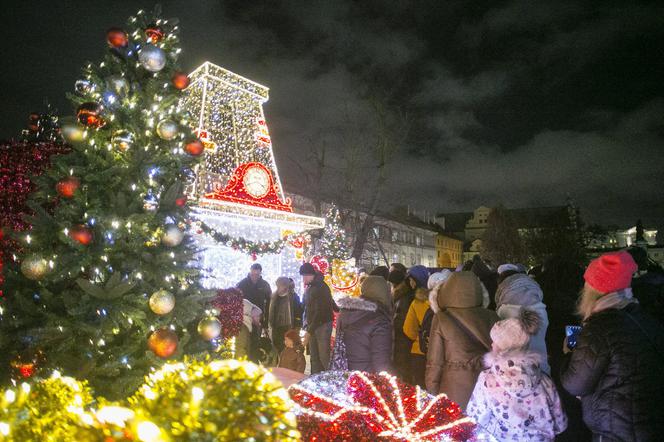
(356, 303)
(514, 373)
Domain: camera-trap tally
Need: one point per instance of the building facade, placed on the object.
(449, 251)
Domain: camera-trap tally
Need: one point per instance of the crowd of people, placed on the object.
(560, 353)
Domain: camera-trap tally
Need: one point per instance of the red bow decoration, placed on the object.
(382, 408)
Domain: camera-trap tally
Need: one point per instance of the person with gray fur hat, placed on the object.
(365, 322)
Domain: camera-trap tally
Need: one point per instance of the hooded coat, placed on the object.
(367, 334)
(514, 400)
(460, 336)
(414, 318)
(521, 291)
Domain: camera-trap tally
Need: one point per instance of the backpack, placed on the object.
(425, 330)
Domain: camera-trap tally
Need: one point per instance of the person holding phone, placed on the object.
(616, 364)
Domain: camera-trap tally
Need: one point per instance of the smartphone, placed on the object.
(572, 333)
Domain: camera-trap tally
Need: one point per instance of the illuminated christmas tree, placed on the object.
(333, 242)
(102, 289)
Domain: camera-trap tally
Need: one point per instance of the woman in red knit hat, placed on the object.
(616, 364)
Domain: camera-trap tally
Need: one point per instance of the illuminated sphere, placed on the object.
(71, 130)
(180, 80)
(152, 58)
(163, 342)
(209, 328)
(34, 267)
(116, 38)
(89, 114)
(154, 33)
(167, 129)
(81, 234)
(194, 148)
(162, 302)
(180, 202)
(122, 139)
(118, 84)
(173, 236)
(67, 187)
(83, 87)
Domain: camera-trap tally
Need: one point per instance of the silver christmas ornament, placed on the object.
(118, 84)
(167, 129)
(162, 302)
(152, 58)
(173, 236)
(122, 140)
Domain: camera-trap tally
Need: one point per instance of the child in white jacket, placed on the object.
(513, 398)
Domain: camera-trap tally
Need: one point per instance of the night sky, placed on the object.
(519, 102)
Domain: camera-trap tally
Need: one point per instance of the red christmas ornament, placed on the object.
(180, 80)
(320, 263)
(89, 114)
(68, 186)
(33, 122)
(154, 33)
(116, 38)
(180, 202)
(81, 234)
(163, 342)
(194, 148)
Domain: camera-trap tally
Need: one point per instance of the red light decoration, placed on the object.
(252, 184)
(320, 263)
(81, 234)
(180, 202)
(67, 187)
(376, 407)
(116, 38)
(229, 304)
(180, 80)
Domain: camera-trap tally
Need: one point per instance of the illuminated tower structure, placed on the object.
(238, 187)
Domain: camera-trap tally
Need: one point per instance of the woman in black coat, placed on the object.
(616, 366)
(366, 324)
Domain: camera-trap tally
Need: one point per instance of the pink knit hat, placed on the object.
(611, 272)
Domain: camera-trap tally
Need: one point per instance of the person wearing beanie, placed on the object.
(513, 398)
(520, 291)
(319, 308)
(414, 320)
(292, 356)
(459, 338)
(382, 271)
(615, 367)
(365, 326)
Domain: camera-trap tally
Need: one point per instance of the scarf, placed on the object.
(617, 300)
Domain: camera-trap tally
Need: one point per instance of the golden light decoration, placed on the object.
(162, 302)
(229, 399)
(47, 409)
(343, 278)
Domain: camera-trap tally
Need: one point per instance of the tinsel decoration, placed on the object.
(229, 304)
(46, 409)
(342, 406)
(225, 399)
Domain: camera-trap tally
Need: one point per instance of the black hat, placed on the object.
(307, 269)
(256, 266)
(396, 277)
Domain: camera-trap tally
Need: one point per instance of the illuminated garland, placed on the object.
(253, 248)
(339, 406)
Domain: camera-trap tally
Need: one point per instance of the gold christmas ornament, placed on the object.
(71, 130)
(34, 267)
(162, 302)
(167, 129)
(173, 236)
(209, 328)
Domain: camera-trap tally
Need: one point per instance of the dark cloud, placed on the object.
(520, 102)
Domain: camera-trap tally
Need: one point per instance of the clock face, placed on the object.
(256, 182)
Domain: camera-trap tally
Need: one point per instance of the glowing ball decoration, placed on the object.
(167, 129)
(81, 234)
(34, 267)
(173, 236)
(194, 148)
(47, 409)
(226, 400)
(209, 328)
(90, 114)
(116, 38)
(68, 186)
(180, 80)
(163, 342)
(162, 302)
(152, 58)
(83, 87)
